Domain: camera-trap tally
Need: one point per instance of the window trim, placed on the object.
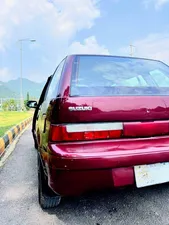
(64, 60)
(75, 67)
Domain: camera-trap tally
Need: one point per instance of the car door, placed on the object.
(51, 93)
(36, 113)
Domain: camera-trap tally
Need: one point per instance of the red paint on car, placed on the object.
(109, 115)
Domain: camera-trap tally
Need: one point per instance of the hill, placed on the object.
(5, 92)
(12, 88)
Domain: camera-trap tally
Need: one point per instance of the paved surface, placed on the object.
(19, 204)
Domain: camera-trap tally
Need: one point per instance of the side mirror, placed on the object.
(32, 104)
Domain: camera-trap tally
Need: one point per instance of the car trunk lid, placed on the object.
(130, 117)
(109, 109)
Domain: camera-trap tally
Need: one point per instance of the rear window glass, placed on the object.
(111, 76)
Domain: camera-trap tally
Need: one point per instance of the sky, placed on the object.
(62, 27)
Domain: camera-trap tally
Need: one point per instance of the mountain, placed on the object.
(11, 89)
(5, 92)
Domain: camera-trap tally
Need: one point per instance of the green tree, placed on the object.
(25, 101)
(27, 96)
(9, 105)
(5, 106)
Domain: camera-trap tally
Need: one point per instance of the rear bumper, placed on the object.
(112, 154)
(73, 183)
(78, 168)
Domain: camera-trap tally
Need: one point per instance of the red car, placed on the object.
(101, 122)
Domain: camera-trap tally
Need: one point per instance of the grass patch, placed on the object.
(10, 119)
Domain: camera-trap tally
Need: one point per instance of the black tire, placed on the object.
(47, 198)
(36, 145)
(35, 140)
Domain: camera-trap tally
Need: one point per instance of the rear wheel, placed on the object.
(47, 198)
(35, 145)
(35, 141)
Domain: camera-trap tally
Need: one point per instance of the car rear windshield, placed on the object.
(116, 76)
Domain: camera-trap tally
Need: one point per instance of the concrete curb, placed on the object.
(11, 134)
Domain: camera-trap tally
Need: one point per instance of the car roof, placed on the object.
(104, 55)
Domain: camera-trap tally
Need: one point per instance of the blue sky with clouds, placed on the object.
(62, 27)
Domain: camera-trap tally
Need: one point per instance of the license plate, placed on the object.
(147, 175)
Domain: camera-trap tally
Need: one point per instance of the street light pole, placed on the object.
(132, 50)
(21, 71)
(21, 86)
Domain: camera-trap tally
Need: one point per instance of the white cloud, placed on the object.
(157, 3)
(155, 46)
(90, 46)
(37, 77)
(5, 74)
(2, 34)
(53, 23)
(58, 18)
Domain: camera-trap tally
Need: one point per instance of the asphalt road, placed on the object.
(19, 203)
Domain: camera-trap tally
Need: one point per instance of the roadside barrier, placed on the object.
(11, 134)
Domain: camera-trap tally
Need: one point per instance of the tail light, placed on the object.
(146, 129)
(82, 132)
(103, 131)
